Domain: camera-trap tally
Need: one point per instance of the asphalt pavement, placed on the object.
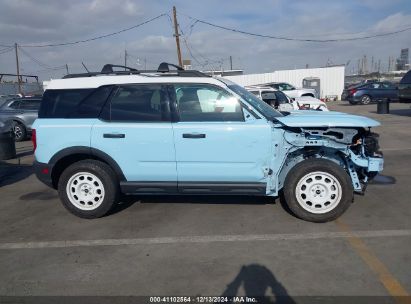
(211, 245)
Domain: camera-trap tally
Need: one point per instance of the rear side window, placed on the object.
(61, 103)
(91, 106)
(137, 103)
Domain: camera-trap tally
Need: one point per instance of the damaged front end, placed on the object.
(356, 149)
(365, 159)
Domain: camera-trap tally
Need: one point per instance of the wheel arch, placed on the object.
(308, 94)
(302, 154)
(64, 158)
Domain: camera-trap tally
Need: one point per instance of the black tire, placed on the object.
(109, 182)
(313, 165)
(20, 132)
(366, 99)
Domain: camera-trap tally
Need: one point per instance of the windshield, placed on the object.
(255, 102)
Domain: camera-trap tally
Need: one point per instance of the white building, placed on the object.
(331, 79)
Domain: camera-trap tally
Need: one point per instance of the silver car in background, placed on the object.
(22, 112)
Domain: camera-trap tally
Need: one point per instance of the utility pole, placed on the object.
(231, 62)
(177, 35)
(67, 70)
(125, 59)
(18, 67)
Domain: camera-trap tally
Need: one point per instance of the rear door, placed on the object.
(375, 91)
(218, 150)
(134, 129)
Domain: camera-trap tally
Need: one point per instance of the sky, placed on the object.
(29, 22)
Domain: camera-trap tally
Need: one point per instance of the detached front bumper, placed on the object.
(362, 169)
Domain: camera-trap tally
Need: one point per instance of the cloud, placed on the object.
(45, 21)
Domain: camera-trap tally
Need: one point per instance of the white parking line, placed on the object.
(204, 239)
(395, 149)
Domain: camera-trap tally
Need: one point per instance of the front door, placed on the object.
(217, 149)
(136, 132)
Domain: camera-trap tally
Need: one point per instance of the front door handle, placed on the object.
(194, 135)
(114, 135)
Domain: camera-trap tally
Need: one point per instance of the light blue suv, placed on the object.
(181, 132)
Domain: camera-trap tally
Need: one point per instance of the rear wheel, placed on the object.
(365, 99)
(318, 190)
(88, 188)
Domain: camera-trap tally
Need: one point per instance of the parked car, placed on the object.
(404, 88)
(22, 112)
(183, 132)
(282, 102)
(371, 92)
(290, 90)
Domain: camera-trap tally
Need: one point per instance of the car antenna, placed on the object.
(85, 67)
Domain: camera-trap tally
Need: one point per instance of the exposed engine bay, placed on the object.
(359, 140)
(356, 149)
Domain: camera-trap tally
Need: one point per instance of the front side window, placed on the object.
(286, 87)
(30, 104)
(206, 103)
(15, 104)
(136, 103)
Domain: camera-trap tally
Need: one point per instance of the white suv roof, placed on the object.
(109, 76)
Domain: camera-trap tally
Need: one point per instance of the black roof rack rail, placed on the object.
(163, 70)
(108, 68)
(164, 67)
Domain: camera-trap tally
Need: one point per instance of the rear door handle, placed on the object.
(114, 135)
(194, 135)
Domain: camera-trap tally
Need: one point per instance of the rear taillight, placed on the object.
(34, 139)
(353, 91)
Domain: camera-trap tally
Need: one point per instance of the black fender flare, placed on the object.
(88, 151)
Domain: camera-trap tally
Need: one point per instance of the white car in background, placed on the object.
(282, 102)
(290, 90)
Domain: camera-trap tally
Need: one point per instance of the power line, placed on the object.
(296, 39)
(94, 38)
(43, 65)
(6, 50)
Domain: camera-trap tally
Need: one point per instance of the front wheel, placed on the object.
(318, 190)
(88, 188)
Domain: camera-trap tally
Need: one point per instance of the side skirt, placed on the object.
(213, 188)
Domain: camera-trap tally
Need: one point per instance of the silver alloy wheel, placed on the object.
(85, 191)
(318, 192)
(366, 99)
(18, 132)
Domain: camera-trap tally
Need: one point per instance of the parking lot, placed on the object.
(211, 246)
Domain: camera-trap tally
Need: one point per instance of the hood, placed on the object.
(326, 119)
